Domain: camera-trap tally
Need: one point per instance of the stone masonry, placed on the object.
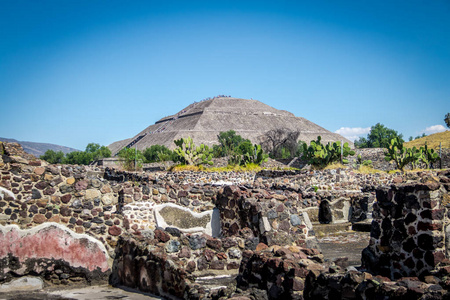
(264, 221)
(408, 230)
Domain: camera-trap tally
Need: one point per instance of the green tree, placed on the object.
(93, 152)
(92, 148)
(133, 158)
(245, 147)
(447, 120)
(378, 137)
(229, 141)
(103, 152)
(151, 154)
(53, 157)
(97, 151)
(78, 158)
(217, 151)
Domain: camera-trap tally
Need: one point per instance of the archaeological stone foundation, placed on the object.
(160, 232)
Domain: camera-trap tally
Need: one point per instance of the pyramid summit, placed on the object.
(204, 120)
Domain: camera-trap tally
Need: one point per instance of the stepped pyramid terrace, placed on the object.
(204, 120)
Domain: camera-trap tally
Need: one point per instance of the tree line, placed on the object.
(93, 152)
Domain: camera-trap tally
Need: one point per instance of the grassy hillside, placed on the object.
(432, 141)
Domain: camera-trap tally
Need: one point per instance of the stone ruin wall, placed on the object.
(408, 232)
(408, 253)
(266, 212)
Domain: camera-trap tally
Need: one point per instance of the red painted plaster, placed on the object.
(54, 243)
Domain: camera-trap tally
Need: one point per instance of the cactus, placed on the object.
(321, 155)
(257, 158)
(429, 156)
(415, 156)
(192, 155)
(401, 155)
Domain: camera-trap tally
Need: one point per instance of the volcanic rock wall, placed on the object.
(408, 230)
(407, 257)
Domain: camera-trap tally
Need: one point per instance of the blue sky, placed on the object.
(75, 72)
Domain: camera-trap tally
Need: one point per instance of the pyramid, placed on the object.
(203, 121)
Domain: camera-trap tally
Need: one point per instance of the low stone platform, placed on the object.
(325, 229)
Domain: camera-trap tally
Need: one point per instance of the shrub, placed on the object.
(97, 151)
(53, 157)
(229, 141)
(133, 158)
(93, 152)
(78, 158)
(152, 154)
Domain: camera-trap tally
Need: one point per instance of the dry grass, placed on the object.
(334, 166)
(432, 141)
(247, 168)
(368, 170)
(181, 168)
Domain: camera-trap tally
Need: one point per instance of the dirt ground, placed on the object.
(85, 293)
(345, 244)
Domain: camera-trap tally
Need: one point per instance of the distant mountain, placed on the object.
(38, 149)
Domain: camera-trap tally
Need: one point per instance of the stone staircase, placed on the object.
(132, 143)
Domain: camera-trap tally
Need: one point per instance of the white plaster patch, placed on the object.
(27, 283)
(222, 182)
(214, 222)
(4, 192)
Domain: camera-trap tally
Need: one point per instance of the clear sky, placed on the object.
(74, 72)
